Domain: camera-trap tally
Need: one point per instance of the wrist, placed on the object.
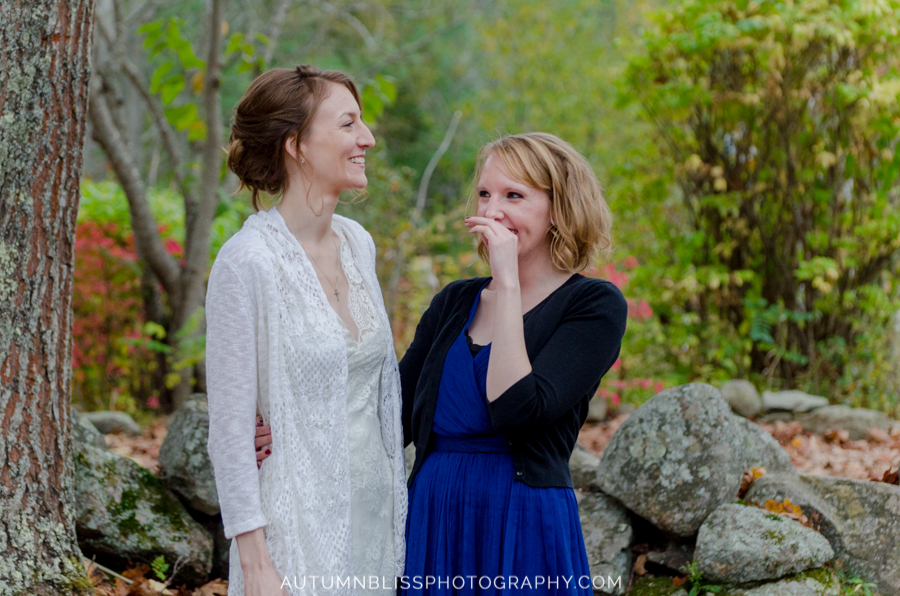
(254, 555)
(507, 288)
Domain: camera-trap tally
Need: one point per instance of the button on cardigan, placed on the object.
(572, 338)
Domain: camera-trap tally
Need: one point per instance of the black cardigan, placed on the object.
(572, 339)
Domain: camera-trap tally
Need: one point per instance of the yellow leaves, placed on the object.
(748, 479)
(693, 163)
(720, 185)
(826, 159)
(885, 91)
(197, 81)
(785, 508)
(172, 380)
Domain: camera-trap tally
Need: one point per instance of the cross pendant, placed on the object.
(337, 294)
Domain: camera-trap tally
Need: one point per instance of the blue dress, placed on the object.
(471, 529)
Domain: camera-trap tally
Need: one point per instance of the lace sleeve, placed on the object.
(231, 380)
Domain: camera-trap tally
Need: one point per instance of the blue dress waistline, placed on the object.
(470, 444)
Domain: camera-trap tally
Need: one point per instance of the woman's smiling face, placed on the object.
(522, 209)
(336, 146)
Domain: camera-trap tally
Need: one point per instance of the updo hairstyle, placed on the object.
(280, 103)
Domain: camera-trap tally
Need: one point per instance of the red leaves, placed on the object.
(109, 354)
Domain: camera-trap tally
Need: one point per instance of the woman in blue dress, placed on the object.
(498, 379)
(497, 382)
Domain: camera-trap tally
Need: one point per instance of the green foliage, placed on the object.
(159, 567)
(695, 577)
(852, 585)
(166, 39)
(778, 229)
(117, 353)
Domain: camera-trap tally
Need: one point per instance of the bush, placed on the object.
(779, 234)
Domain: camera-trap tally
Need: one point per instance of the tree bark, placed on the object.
(44, 70)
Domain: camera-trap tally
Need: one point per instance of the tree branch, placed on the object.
(198, 218)
(146, 229)
(275, 29)
(410, 48)
(352, 21)
(165, 131)
(432, 164)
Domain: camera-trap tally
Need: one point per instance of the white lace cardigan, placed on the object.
(274, 345)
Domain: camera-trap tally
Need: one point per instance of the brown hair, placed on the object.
(578, 208)
(280, 103)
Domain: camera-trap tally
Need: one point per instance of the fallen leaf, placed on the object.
(876, 435)
(747, 480)
(136, 572)
(217, 587)
(122, 587)
(891, 477)
(97, 577)
(679, 581)
(640, 565)
(160, 588)
(836, 436)
(141, 587)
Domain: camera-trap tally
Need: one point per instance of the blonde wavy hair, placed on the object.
(583, 221)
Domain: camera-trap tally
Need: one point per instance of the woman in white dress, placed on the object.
(297, 331)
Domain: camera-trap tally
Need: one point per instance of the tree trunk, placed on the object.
(44, 70)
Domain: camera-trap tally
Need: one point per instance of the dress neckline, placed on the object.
(474, 307)
(342, 243)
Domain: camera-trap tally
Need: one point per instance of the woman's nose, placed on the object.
(492, 210)
(366, 139)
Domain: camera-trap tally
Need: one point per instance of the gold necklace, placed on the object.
(337, 292)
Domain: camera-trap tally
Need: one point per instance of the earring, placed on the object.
(302, 160)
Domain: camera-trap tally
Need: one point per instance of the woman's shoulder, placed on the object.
(593, 292)
(458, 288)
(246, 249)
(352, 227)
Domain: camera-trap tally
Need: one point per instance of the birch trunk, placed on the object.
(44, 70)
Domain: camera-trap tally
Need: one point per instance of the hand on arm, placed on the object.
(262, 441)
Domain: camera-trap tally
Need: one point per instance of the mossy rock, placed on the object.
(676, 459)
(743, 544)
(656, 586)
(816, 582)
(124, 513)
(186, 468)
(860, 519)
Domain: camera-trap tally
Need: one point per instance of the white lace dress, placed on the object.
(332, 496)
(371, 504)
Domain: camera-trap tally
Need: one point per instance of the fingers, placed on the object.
(489, 229)
(263, 437)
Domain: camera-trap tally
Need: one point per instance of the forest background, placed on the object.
(748, 151)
